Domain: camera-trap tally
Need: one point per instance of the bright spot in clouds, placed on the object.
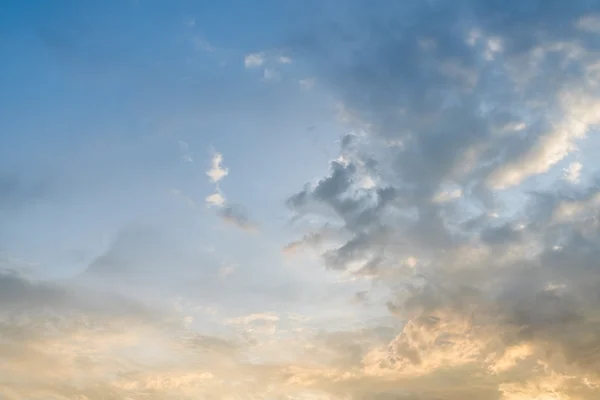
(217, 171)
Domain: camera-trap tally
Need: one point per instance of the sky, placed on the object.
(300, 200)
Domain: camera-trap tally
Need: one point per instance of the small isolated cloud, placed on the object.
(217, 171)
(254, 60)
(307, 83)
(572, 172)
(215, 200)
(237, 217)
(284, 60)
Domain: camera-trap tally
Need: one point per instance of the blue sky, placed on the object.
(128, 113)
(300, 200)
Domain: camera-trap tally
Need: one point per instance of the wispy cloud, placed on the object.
(307, 83)
(270, 74)
(231, 214)
(237, 217)
(177, 193)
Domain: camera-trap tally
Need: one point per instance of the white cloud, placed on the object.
(254, 60)
(573, 172)
(284, 60)
(215, 200)
(549, 150)
(217, 171)
(580, 110)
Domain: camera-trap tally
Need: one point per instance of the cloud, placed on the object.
(260, 59)
(284, 60)
(215, 200)
(236, 216)
(217, 171)
(573, 172)
(445, 208)
(496, 303)
(231, 214)
(69, 336)
(254, 60)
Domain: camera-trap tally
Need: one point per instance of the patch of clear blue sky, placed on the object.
(95, 97)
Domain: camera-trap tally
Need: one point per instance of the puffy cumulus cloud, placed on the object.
(215, 200)
(217, 171)
(463, 114)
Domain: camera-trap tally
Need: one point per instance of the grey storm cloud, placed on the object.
(483, 96)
